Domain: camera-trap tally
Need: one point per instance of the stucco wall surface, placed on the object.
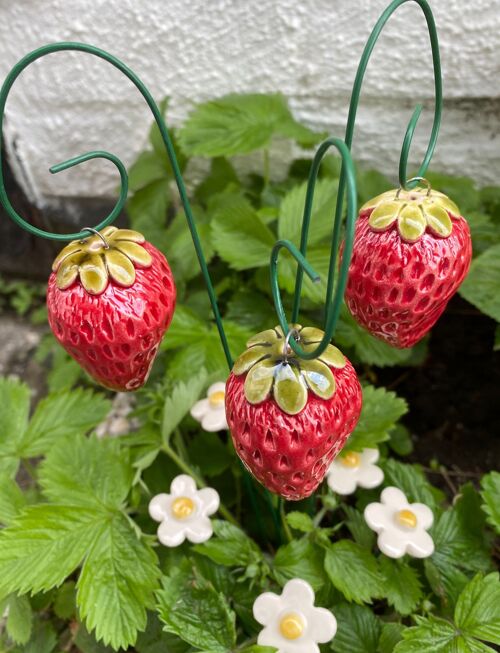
(307, 49)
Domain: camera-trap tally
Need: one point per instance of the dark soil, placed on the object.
(454, 396)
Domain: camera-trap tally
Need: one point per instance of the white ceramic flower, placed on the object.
(183, 514)
(401, 526)
(291, 622)
(353, 469)
(211, 412)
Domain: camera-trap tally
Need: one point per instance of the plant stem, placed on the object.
(286, 527)
(200, 481)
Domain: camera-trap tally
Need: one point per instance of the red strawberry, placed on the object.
(412, 250)
(110, 299)
(290, 417)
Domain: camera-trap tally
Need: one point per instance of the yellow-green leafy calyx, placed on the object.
(271, 370)
(413, 210)
(95, 260)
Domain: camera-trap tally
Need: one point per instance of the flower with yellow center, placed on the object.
(413, 211)
(110, 254)
(211, 411)
(292, 623)
(401, 526)
(184, 513)
(354, 469)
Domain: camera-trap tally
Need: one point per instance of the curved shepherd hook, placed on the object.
(333, 305)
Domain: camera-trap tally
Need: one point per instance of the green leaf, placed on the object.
(361, 532)
(231, 547)
(238, 124)
(477, 612)
(155, 640)
(353, 571)
(484, 231)
(401, 585)
(179, 403)
(43, 639)
(319, 258)
(15, 403)
(462, 190)
(19, 620)
(300, 559)
(391, 634)
(371, 350)
(239, 235)
(147, 209)
(380, 411)
(192, 609)
(87, 472)
(412, 481)
(44, 545)
(431, 634)
(147, 168)
(61, 415)
(65, 601)
(490, 485)
(209, 453)
(221, 175)
(358, 630)
(87, 643)
(11, 499)
(292, 211)
(400, 440)
(116, 584)
(482, 285)
(300, 521)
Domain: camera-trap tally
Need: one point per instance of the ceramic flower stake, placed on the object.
(352, 469)
(211, 412)
(289, 417)
(401, 526)
(292, 623)
(183, 514)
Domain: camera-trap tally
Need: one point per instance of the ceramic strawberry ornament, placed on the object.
(289, 417)
(412, 250)
(110, 299)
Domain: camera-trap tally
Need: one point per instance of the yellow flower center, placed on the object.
(292, 626)
(217, 398)
(351, 459)
(406, 518)
(182, 507)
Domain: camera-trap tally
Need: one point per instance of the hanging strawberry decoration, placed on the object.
(110, 299)
(290, 417)
(412, 250)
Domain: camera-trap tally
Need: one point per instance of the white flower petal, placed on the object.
(183, 485)
(322, 624)
(392, 544)
(220, 386)
(424, 515)
(392, 496)
(370, 455)
(298, 593)
(209, 500)
(171, 533)
(420, 544)
(159, 507)
(370, 476)
(199, 530)
(215, 420)
(200, 409)
(377, 516)
(342, 479)
(266, 607)
(270, 636)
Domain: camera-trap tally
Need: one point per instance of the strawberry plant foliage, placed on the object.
(80, 565)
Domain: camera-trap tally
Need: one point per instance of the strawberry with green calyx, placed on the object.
(412, 250)
(289, 417)
(110, 299)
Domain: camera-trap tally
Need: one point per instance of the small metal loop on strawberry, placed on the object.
(273, 368)
(413, 211)
(109, 254)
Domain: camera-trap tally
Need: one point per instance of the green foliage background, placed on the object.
(80, 566)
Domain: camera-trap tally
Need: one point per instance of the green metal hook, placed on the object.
(102, 54)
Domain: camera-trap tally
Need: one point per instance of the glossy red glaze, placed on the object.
(397, 290)
(290, 454)
(114, 336)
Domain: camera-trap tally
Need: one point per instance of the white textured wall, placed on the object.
(191, 50)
